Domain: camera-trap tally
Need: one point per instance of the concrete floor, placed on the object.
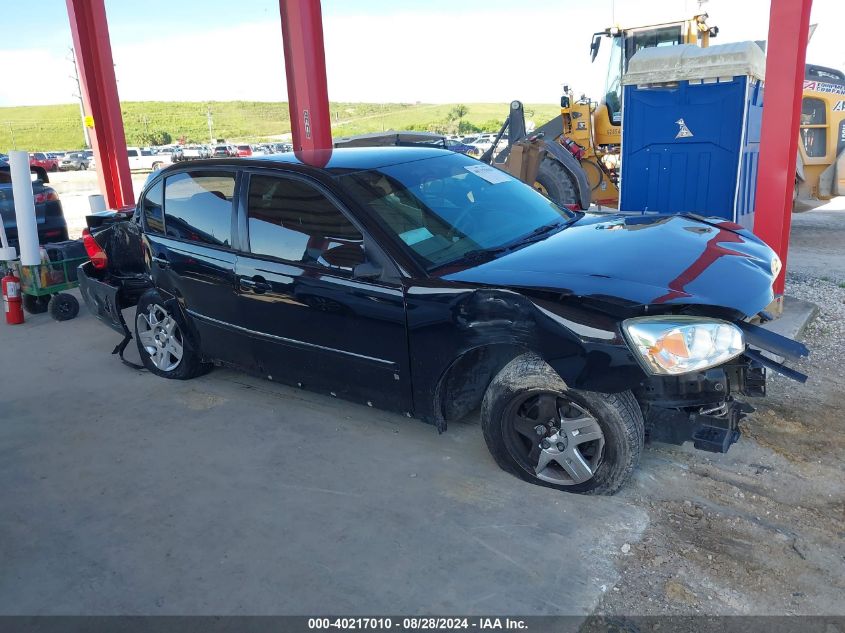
(124, 493)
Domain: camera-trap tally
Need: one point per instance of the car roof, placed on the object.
(344, 158)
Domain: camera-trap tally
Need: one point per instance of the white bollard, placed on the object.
(97, 203)
(7, 253)
(24, 208)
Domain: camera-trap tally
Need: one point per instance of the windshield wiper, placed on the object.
(541, 231)
(479, 254)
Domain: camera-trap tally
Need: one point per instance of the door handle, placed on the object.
(257, 284)
(161, 261)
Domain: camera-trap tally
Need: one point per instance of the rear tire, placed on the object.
(556, 184)
(599, 435)
(64, 307)
(35, 305)
(162, 342)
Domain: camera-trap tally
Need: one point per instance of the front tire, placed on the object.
(548, 434)
(162, 343)
(554, 182)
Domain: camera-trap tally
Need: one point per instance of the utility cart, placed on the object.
(43, 286)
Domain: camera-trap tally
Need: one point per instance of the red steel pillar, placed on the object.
(99, 91)
(305, 67)
(789, 22)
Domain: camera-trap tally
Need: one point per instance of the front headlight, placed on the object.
(671, 345)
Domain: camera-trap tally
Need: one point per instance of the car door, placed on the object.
(314, 321)
(192, 259)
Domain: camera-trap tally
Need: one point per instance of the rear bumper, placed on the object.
(106, 298)
(102, 299)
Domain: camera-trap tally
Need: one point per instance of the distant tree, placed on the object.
(465, 127)
(458, 113)
(491, 125)
(152, 137)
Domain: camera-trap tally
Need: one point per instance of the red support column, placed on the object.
(789, 22)
(99, 91)
(305, 68)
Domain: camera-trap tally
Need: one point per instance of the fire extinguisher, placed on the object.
(12, 298)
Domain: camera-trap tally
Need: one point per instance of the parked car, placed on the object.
(40, 159)
(462, 148)
(420, 281)
(244, 150)
(401, 138)
(75, 161)
(146, 159)
(49, 214)
(192, 152)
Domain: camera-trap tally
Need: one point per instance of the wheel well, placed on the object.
(462, 386)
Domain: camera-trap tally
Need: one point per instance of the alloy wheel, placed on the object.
(160, 337)
(553, 438)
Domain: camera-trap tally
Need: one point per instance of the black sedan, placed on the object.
(421, 281)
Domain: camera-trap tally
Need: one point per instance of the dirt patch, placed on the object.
(760, 530)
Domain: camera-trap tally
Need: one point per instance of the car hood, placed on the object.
(640, 260)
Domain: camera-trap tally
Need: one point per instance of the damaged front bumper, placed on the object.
(702, 408)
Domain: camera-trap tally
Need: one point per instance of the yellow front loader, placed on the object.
(821, 150)
(588, 134)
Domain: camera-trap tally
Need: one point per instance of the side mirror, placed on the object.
(367, 270)
(594, 46)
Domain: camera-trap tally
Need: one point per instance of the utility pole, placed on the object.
(78, 95)
(210, 125)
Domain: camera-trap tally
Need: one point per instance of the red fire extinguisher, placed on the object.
(12, 299)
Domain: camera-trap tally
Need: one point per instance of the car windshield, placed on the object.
(447, 208)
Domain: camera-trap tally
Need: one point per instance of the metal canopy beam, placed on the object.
(305, 68)
(99, 91)
(789, 22)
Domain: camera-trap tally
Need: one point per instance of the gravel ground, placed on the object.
(761, 529)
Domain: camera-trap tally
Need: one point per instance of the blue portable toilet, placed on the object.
(691, 131)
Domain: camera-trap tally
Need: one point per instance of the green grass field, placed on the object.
(58, 127)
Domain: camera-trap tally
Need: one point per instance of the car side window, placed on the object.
(291, 220)
(132, 153)
(198, 207)
(152, 209)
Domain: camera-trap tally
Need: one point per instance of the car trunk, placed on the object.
(124, 278)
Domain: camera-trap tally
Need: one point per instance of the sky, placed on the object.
(433, 51)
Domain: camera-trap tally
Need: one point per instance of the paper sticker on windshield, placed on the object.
(490, 174)
(415, 235)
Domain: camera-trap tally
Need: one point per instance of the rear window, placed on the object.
(243, 146)
(198, 207)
